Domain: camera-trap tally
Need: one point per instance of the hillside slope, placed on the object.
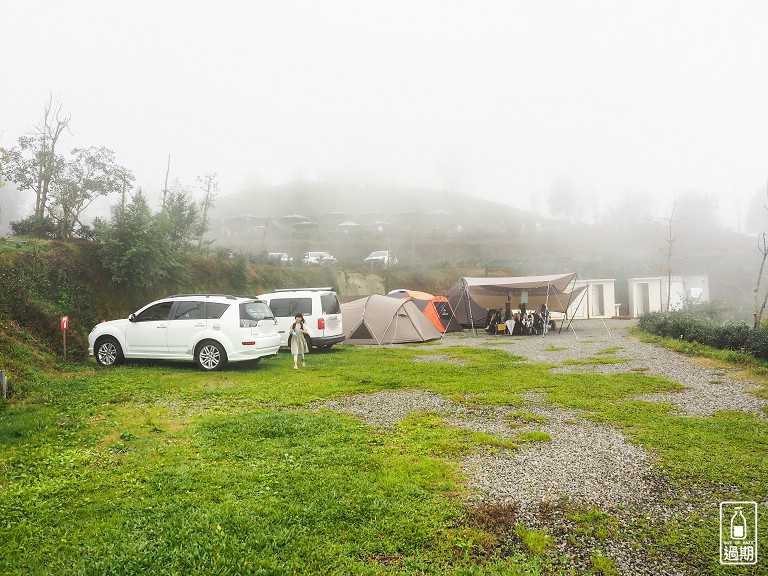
(23, 355)
(350, 221)
(362, 204)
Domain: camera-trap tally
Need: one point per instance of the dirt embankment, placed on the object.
(353, 285)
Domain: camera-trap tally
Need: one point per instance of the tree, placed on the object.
(3, 160)
(670, 241)
(754, 217)
(91, 173)
(134, 248)
(629, 211)
(3, 155)
(210, 187)
(33, 164)
(179, 217)
(563, 199)
(762, 246)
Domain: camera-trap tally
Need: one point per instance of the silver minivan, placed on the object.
(320, 308)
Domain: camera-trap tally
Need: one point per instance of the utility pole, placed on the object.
(165, 188)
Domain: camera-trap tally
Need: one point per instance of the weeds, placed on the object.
(604, 565)
(537, 542)
(523, 417)
(594, 360)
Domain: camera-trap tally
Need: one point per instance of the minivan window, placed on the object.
(289, 307)
(159, 311)
(252, 312)
(330, 304)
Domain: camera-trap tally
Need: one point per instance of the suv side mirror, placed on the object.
(132, 317)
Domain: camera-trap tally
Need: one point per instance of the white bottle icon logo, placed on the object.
(738, 525)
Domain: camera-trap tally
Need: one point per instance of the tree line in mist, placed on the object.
(138, 246)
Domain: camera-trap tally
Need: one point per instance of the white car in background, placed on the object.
(318, 258)
(381, 258)
(209, 329)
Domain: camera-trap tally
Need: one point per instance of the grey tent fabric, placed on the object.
(380, 320)
(468, 312)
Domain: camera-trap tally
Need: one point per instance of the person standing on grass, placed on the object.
(544, 312)
(298, 342)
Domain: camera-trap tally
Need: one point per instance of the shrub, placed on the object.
(757, 344)
(691, 327)
(33, 226)
(652, 322)
(731, 336)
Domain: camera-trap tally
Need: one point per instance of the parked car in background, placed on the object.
(382, 258)
(320, 308)
(279, 258)
(318, 258)
(209, 329)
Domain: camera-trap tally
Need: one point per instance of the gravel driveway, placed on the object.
(585, 463)
(708, 390)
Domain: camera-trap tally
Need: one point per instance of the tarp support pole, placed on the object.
(583, 295)
(606, 327)
(570, 295)
(468, 304)
(546, 305)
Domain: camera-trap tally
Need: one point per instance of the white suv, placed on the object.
(381, 258)
(210, 329)
(320, 308)
(318, 258)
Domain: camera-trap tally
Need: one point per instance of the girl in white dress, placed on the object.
(298, 342)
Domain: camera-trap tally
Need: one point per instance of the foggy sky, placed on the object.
(498, 99)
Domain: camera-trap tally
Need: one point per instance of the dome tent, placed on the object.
(381, 320)
(437, 309)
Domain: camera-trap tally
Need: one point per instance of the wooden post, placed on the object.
(64, 328)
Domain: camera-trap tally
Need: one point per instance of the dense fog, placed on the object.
(609, 115)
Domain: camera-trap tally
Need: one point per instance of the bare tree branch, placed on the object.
(670, 240)
(762, 246)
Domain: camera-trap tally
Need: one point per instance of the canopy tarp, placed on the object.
(472, 297)
(380, 320)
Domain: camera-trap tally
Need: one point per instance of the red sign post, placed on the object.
(64, 328)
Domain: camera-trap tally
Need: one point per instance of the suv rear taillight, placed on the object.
(321, 323)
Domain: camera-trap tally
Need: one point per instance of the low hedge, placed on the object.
(688, 326)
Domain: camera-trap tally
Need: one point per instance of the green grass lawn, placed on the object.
(153, 468)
